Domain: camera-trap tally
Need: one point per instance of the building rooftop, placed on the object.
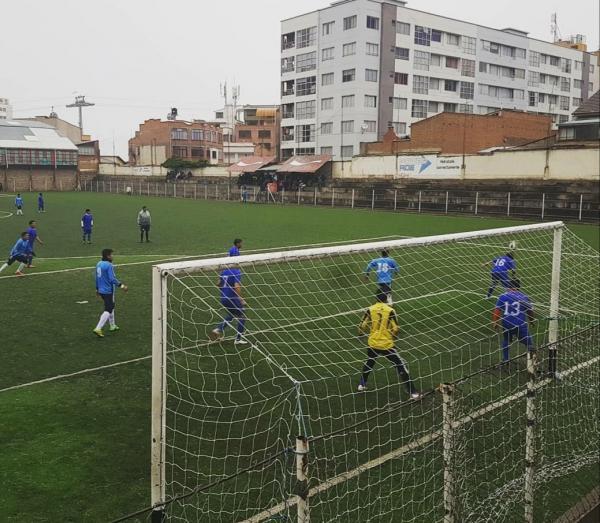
(31, 134)
(590, 108)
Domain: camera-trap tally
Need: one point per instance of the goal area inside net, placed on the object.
(276, 430)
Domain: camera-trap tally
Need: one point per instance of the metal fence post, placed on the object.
(216, 191)
(476, 202)
(298, 196)
(530, 434)
(448, 451)
(419, 201)
(302, 479)
(195, 191)
(148, 189)
(580, 207)
(283, 196)
(184, 189)
(508, 205)
(543, 204)
(228, 192)
(373, 200)
(175, 190)
(166, 189)
(315, 196)
(447, 202)
(395, 199)
(353, 198)
(206, 191)
(333, 197)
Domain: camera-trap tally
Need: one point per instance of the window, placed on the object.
(465, 109)
(422, 60)
(399, 128)
(450, 108)
(306, 62)
(326, 127)
(419, 108)
(370, 101)
(402, 28)
(398, 103)
(347, 126)
(197, 134)
(534, 79)
(434, 84)
(327, 79)
(288, 64)
(422, 35)
(577, 102)
(565, 84)
(555, 61)
(371, 75)
(306, 132)
(348, 101)
(450, 85)
(577, 84)
(420, 84)
(327, 54)
(402, 53)
(451, 62)
(287, 134)
(542, 98)
(565, 65)
(467, 90)
(306, 86)
(287, 111)
(327, 104)
(592, 69)
(180, 152)
(534, 59)
(520, 53)
(245, 135)
(483, 67)
(327, 150)
(591, 87)
(288, 41)
(328, 28)
(467, 67)
(349, 75)
(349, 49)
(436, 36)
(433, 107)
(179, 134)
(401, 78)
(305, 110)
(578, 64)
(452, 39)
(372, 49)
(469, 44)
(306, 37)
(436, 60)
(372, 22)
(347, 151)
(349, 22)
(286, 154)
(564, 103)
(369, 126)
(305, 150)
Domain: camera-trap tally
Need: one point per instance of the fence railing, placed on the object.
(579, 207)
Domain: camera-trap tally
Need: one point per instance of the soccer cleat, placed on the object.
(19, 274)
(215, 334)
(99, 333)
(31, 266)
(362, 388)
(240, 342)
(114, 328)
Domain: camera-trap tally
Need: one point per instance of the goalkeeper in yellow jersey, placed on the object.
(380, 323)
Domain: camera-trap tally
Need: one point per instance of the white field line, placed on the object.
(197, 256)
(143, 358)
(424, 440)
(8, 215)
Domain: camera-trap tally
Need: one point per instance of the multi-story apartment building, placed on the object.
(259, 125)
(353, 69)
(5, 109)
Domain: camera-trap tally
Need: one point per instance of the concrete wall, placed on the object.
(564, 164)
(14, 180)
(130, 170)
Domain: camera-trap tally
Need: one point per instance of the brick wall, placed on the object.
(15, 180)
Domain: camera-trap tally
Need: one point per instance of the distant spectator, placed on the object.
(144, 220)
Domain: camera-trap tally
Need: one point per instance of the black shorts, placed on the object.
(145, 228)
(109, 302)
(19, 207)
(386, 288)
(20, 258)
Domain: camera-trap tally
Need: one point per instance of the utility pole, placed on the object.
(80, 103)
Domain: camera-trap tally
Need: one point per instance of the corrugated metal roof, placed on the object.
(251, 164)
(26, 134)
(304, 164)
(591, 107)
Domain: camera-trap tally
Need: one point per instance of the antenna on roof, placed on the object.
(52, 113)
(80, 103)
(554, 27)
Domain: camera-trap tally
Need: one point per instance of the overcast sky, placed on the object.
(137, 58)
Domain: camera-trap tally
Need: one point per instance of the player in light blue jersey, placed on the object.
(230, 286)
(19, 204)
(385, 268)
(20, 253)
(106, 283)
(503, 268)
(237, 247)
(513, 312)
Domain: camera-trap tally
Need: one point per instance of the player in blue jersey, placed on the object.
(503, 268)
(230, 285)
(237, 247)
(106, 283)
(513, 312)
(385, 268)
(33, 237)
(20, 253)
(41, 206)
(19, 204)
(87, 224)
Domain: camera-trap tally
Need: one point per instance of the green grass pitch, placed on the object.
(77, 449)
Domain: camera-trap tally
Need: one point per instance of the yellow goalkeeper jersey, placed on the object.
(382, 326)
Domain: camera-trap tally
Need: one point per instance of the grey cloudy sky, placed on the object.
(137, 58)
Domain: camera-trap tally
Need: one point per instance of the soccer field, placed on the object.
(77, 448)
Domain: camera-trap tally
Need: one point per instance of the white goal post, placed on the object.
(201, 393)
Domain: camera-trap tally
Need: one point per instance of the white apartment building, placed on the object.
(5, 109)
(357, 67)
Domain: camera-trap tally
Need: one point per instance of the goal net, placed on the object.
(276, 430)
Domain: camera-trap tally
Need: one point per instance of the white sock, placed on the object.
(3, 267)
(103, 319)
(389, 300)
(111, 319)
(21, 267)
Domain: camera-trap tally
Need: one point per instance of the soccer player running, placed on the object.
(33, 237)
(230, 285)
(19, 204)
(87, 224)
(144, 220)
(41, 207)
(381, 324)
(385, 268)
(106, 283)
(237, 246)
(503, 269)
(513, 311)
(20, 253)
